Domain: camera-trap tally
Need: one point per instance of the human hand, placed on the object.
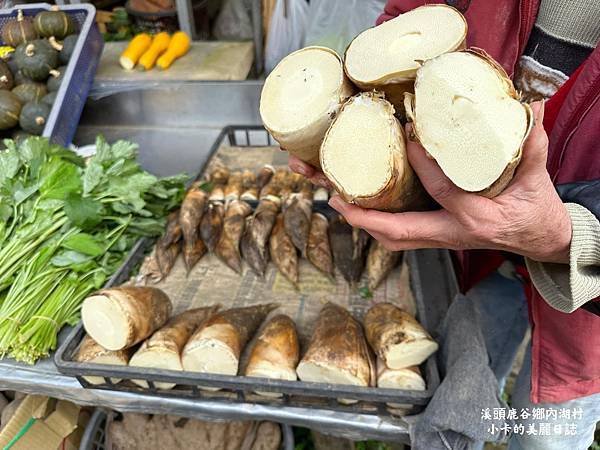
(527, 218)
(315, 176)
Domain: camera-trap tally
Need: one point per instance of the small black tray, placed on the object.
(431, 277)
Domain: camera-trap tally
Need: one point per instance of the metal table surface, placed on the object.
(188, 117)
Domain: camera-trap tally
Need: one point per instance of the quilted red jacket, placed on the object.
(565, 347)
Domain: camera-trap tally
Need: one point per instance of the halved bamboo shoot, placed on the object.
(92, 352)
(163, 349)
(467, 114)
(300, 98)
(276, 352)
(387, 57)
(364, 157)
(217, 345)
(396, 337)
(409, 379)
(338, 352)
(119, 318)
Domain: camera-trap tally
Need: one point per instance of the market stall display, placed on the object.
(56, 50)
(210, 282)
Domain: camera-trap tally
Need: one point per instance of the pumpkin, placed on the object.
(68, 46)
(36, 59)
(49, 98)
(33, 117)
(19, 136)
(179, 46)
(10, 60)
(6, 76)
(21, 79)
(160, 43)
(136, 48)
(54, 23)
(10, 108)
(55, 78)
(30, 92)
(19, 30)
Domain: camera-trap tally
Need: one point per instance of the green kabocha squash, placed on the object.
(19, 30)
(21, 79)
(36, 59)
(10, 108)
(54, 23)
(6, 76)
(30, 92)
(68, 46)
(11, 62)
(55, 78)
(19, 136)
(49, 98)
(33, 117)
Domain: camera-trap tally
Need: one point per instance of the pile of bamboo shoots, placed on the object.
(215, 216)
(346, 116)
(131, 326)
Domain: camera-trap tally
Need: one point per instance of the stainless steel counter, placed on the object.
(175, 126)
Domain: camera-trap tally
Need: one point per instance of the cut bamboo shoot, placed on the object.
(396, 337)
(409, 379)
(275, 353)
(467, 115)
(387, 57)
(92, 352)
(119, 318)
(364, 157)
(300, 98)
(217, 345)
(163, 349)
(338, 352)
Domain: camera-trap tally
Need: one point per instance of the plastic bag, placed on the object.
(287, 31)
(334, 23)
(234, 22)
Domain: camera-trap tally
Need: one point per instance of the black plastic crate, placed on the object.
(433, 285)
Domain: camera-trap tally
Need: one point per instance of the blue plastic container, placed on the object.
(70, 98)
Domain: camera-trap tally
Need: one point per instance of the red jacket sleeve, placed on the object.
(393, 8)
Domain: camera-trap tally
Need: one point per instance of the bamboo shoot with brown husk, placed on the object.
(396, 337)
(380, 262)
(193, 253)
(283, 253)
(166, 257)
(407, 40)
(217, 193)
(163, 349)
(338, 352)
(219, 175)
(409, 379)
(276, 351)
(256, 236)
(228, 248)
(119, 318)
(211, 225)
(92, 352)
(349, 248)
(249, 187)
(318, 251)
(233, 189)
(297, 216)
(301, 96)
(173, 232)
(190, 214)
(468, 116)
(264, 175)
(384, 180)
(217, 345)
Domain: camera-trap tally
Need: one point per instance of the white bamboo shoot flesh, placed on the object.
(409, 379)
(364, 157)
(396, 337)
(92, 352)
(163, 349)
(275, 353)
(468, 117)
(119, 318)
(387, 57)
(300, 98)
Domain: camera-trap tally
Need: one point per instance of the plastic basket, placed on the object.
(70, 98)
